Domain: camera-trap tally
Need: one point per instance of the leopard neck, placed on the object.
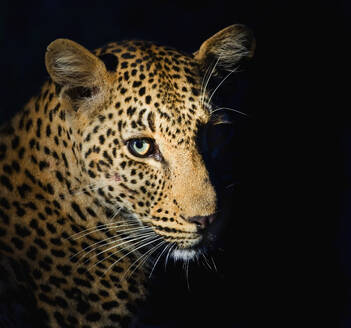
(43, 159)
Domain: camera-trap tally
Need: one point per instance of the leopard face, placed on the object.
(134, 111)
(141, 149)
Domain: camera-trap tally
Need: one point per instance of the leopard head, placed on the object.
(135, 110)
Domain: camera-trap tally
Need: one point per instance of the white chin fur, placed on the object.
(183, 254)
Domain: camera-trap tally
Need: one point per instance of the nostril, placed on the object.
(202, 221)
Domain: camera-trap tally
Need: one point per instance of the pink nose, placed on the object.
(202, 222)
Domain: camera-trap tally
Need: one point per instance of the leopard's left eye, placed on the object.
(141, 147)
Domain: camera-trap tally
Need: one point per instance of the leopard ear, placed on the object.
(80, 73)
(226, 49)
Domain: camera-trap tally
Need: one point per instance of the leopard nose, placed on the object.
(202, 222)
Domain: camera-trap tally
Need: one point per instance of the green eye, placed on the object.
(142, 147)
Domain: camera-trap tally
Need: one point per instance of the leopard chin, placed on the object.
(184, 254)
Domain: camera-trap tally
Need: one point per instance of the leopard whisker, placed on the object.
(142, 261)
(214, 264)
(188, 273)
(230, 109)
(153, 239)
(220, 83)
(134, 235)
(168, 254)
(125, 240)
(103, 227)
(103, 242)
(116, 212)
(209, 78)
(143, 239)
(202, 89)
(158, 258)
(206, 261)
(232, 185)
(88, 229)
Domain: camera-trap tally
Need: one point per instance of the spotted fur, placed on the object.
(78, 209)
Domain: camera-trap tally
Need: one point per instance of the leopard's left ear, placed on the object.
(80, 73)
(226, 49)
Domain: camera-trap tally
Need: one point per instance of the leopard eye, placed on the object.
(141, 147)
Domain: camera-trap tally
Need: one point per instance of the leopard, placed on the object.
(101, 171)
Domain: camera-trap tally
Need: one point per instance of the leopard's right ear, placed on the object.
(80, 73)
(226, 49)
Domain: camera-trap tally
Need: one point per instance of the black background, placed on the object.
(284, 258)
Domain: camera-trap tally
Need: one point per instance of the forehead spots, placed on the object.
(156, 89)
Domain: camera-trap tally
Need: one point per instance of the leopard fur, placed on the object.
(79, 208)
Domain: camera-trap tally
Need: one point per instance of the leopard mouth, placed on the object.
(186, 244)
(204, 244)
